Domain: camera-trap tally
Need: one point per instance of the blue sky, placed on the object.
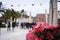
(18, 5)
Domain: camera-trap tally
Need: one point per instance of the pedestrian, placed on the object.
(0, 23)
(22, 25)
(8, 28)
(13, 25)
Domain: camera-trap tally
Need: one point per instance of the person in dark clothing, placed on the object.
(22, 25)
(13, 25)
(0, 23)
(27, 25)
(8, 28)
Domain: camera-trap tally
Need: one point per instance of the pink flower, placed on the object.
(49, 33)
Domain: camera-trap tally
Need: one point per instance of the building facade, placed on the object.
(53, 12)
(40, 17)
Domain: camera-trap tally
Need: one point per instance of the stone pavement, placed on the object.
(17, 34)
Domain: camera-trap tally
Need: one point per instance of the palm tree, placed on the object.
(7, 14)
(11, 15)
(15, 15)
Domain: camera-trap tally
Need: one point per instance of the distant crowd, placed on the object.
(27, 25)
(8, 25)
(23, 25)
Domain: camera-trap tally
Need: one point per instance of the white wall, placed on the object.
(58, 14)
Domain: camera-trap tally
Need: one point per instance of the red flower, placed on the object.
(43, 31)
(30, 36)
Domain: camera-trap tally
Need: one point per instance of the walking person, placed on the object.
(0, 23)
(22, 25)
(0, 27)
(13, 25)
(8, 28)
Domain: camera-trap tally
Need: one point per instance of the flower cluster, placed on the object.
(43, 31)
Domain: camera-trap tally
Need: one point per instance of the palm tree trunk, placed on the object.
(11, 21)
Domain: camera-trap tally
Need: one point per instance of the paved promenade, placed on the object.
(17, 34)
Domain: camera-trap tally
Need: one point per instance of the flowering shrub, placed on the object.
(43, 31)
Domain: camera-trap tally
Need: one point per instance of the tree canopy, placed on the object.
(11, 13)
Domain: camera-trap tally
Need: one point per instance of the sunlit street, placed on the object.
(17, 34)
